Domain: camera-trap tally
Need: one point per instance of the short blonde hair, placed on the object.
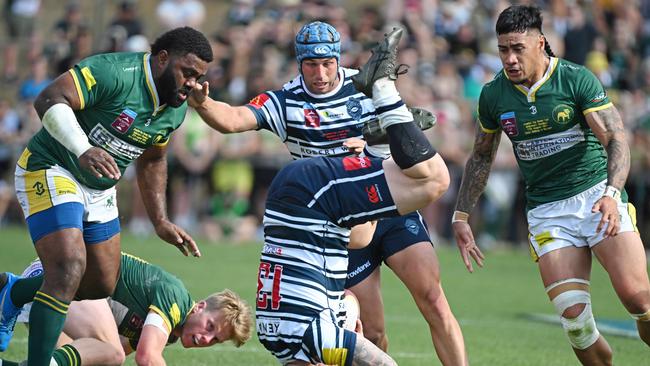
(236, 312)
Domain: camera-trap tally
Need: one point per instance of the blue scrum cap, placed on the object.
(318, 40)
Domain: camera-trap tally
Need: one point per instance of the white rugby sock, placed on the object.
(385, 95)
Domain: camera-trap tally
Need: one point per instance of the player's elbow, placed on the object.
(116, 356)
(438, 178)
(146, 358)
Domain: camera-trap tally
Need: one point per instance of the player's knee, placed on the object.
(636, 301)
(100, 289)
(116, 356)
(376, 335)
(581, 330)
(436, 302)
(573, 305)
(65, 275)
(438, 179)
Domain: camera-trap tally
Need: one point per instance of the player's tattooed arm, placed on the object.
(608, 126)
(367, 354)
(477, 169)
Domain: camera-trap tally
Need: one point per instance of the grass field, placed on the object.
(488, 304)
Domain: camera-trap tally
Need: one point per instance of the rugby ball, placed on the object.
(351, 310)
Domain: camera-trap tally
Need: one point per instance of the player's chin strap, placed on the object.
(581, 331)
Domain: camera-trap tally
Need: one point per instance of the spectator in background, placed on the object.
(580, 35)
(178, 13)
(38, 80)
(127, 18)
(193, 150)
(9, 144)
(19, 17)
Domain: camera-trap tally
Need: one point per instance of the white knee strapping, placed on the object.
(581, 331)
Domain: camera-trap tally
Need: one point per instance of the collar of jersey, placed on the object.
(151, 86)
(530, 93)
(326, 95)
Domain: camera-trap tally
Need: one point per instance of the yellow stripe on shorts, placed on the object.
(38, 192)
(24, 158)
(631, 210)
(63, 185)
(335, 356)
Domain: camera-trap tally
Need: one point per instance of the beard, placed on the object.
(168, 90)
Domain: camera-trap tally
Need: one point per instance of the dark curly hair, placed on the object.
(519, 19)
(183, 40)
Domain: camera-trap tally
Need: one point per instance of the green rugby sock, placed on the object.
(67, 356)
(24, 290)
(46, 323)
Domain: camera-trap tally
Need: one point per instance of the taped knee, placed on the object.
(408, 145)
(643, 317)
(581, 330)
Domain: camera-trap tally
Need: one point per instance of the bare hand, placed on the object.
(611, 218)
(466, 245)
(199, 94)
(99, 162)
(176, 236)
(355, 145)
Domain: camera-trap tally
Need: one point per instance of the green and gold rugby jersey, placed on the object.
(144, 287)
(558, 154)
(120, 112)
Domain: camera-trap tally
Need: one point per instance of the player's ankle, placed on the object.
(384, 92)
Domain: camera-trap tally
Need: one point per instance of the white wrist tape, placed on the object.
(61, 123)
(611, 191)
(459, 216)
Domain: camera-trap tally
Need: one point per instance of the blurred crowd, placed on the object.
(217, 182)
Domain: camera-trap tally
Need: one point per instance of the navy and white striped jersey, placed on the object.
(314, 124)
(310, 207)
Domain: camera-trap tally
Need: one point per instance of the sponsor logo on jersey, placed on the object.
(268, 326)
(332, 115)
(109, 142)
(600, 97)
(356, 163)
(373, 194)
(412, 226)
(549, 145)
(563, 114)
(312, 119)
(354, 108)
(271, 249)
(259, 101)
(509, 124)
(124, 121)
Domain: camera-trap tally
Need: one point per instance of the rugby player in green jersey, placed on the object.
(149, 310)
(106, 112)
(570, 145)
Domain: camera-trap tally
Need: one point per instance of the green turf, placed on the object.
(489, 305)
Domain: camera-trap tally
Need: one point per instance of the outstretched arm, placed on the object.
(608, 128)
(475, 177)
(221, 116)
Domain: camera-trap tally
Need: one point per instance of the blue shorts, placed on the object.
(391, 236)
